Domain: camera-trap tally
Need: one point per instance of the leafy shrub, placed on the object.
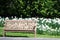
(30, 8)
(39, 31)
(49, 26)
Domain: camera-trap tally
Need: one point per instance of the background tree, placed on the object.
(30, 8)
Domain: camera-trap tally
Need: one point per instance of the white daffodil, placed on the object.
(20, 19)
(41, 18)
(14, 18)
(29, 18)
(6, 18)
(43, 21)
(0, 17)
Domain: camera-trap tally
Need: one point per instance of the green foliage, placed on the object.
(30, 8)
(39, 31)
(48, 26)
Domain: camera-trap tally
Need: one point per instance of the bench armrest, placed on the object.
(34, 27)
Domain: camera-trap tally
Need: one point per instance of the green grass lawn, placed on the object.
(15, 34)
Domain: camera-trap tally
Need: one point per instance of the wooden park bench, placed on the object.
(20, 26)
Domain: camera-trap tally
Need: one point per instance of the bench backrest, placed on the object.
(20, 24)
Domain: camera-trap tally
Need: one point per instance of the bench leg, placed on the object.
(4, 33)
(35, 34)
